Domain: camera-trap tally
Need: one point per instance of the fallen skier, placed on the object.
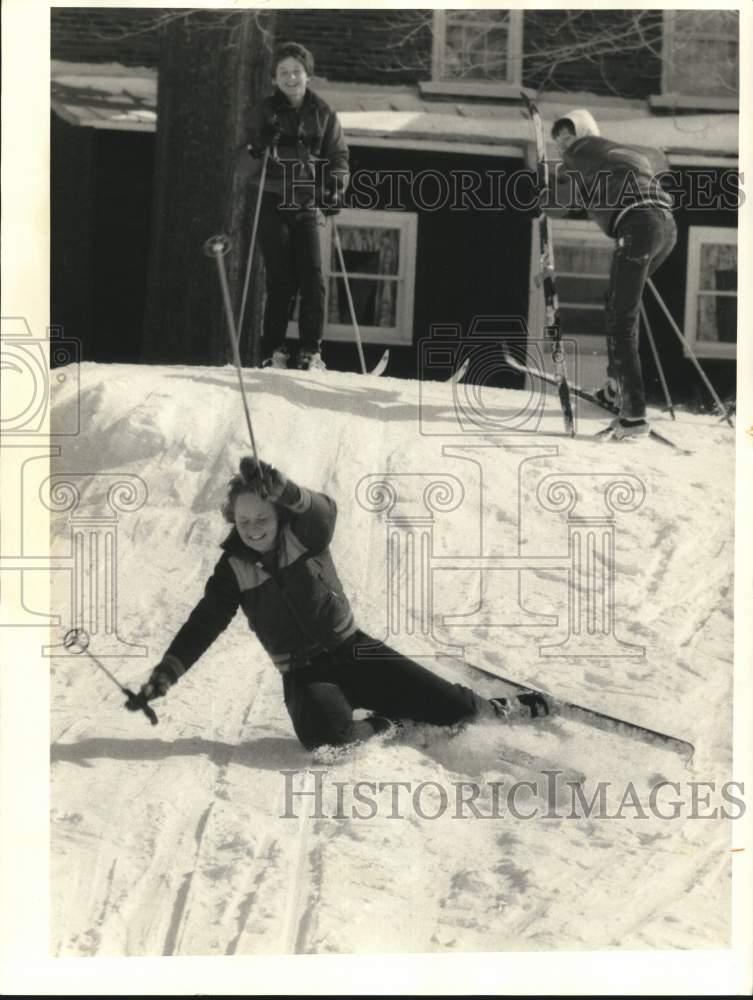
(276, 565)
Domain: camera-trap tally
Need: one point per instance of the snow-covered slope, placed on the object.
(175, 840)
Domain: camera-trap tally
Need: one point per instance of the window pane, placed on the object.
(367, 250)
(574, 320)
(718, 267)
(375, 302)
(476, 45)
(717, 318)
(704, 53)
(487, 18)
(581, 290)
(582, 258)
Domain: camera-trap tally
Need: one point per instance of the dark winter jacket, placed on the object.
(606, 179)
(292, 596)
(310, 155)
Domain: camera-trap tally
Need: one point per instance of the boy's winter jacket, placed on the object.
(292, 596)
(605, 179)
(308, 155)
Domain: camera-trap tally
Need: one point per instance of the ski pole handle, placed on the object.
(137, 702)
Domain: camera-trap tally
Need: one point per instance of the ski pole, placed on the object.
(657, 362)
(218, 247)
(689, 352)
(252, 243)
(77, 639)
(349, 297)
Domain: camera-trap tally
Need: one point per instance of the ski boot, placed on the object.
(381, 724)
(626, 429)
(374, 725)
(529, 705)
(311, 361)
(278, 359)
(609, 394)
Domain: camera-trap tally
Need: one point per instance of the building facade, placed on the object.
(438, 232)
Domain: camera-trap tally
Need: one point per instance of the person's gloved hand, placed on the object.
(534, 703)
(264, 478)
(333, 202)
(159, 683)
(258, 149)
(268, 139)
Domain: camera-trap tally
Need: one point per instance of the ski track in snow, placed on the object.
(174, 840)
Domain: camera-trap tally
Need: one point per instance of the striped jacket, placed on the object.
(292, 596)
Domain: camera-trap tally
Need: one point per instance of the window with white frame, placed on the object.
(379, 250)
(701, 53)
(711, 294)
(582, 257)
(477, 45)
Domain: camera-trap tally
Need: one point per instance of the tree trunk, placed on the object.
(213, 69)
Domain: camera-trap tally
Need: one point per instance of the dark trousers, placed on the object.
(290, 246)
(320, 698)
(645, 238)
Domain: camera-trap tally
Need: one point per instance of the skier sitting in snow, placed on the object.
(307, 171)
(276, 565)
(619, 190)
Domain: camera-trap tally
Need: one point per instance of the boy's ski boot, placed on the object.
(608, 395)
(374, 725)
(278, 359)
(626, 429)
(311, 361)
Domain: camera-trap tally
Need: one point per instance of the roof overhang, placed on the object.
(110, 96)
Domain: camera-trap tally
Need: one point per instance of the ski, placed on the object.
(380, 366)
(459, 374)
(546, 250)
(590, 717)
(522, 761)
(589, 397)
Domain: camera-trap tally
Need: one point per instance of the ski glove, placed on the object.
(261, 476)
(268, 138)
(333, 202)
(259, 149)
(160, 681)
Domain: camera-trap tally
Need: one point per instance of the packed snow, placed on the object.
(179, 839)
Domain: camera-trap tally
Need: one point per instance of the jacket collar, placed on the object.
(235, 546)
(283, 104)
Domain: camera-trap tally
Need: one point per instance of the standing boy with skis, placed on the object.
(276, 565)
(300, 139)
(617, 186)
